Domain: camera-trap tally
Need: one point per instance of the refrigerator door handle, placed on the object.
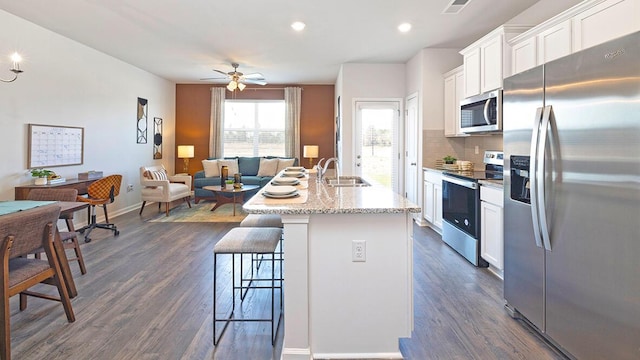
(541, 202)
(533, 166)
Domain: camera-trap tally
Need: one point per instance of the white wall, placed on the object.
(69, 84)
(364, 81)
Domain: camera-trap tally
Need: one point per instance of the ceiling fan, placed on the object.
(237, 79)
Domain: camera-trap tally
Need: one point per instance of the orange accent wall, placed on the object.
(193, 108)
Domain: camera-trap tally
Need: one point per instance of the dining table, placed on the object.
(66, 207)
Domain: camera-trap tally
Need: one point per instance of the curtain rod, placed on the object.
(262, 89)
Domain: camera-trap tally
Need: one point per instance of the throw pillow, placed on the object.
(268, 167)
(232, 164)
(284, 163)
(159, 175)
(210, 168)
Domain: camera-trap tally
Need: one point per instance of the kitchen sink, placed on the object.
(346, 181)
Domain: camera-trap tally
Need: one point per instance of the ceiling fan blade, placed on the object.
(254, 76)
(214, 78)
(255, 81)
(222, 72)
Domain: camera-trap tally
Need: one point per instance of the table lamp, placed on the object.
(185, 152)
(311, 152)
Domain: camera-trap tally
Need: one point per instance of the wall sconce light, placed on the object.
(185, 152)
(311, 152)
(15, 69)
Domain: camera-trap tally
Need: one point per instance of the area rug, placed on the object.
(199, 213)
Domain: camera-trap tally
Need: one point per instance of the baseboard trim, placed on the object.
(345, 356)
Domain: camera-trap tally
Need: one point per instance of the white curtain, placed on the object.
(215, 122)
(292, 96)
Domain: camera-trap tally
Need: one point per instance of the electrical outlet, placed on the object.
(477, 150)
(358, 250)
(130, 188)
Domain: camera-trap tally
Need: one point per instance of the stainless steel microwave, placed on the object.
(481, 113)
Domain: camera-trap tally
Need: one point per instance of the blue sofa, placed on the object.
(248, 167)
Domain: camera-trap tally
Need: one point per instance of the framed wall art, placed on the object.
(54, 146)
(141, 132)
(157, 138)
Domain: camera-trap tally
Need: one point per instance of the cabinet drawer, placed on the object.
(491, 195)
(434, 177)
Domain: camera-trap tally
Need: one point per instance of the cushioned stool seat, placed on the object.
(262, 220)
(240, 241)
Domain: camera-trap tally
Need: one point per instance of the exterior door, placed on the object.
(377, 142)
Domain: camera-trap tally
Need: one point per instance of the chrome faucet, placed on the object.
(319, 170)
(326, 165)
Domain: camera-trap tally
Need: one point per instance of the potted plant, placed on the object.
(449, 159)
(41, 175)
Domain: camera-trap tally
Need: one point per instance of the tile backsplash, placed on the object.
(436, 146)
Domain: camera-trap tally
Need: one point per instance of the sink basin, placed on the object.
(346, 181)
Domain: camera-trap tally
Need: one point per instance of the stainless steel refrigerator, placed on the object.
(572, 200)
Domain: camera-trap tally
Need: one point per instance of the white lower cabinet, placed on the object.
(432, 211)
(491, 228)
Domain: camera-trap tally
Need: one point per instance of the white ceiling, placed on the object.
(182, 41)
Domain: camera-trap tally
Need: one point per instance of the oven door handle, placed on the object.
(466, 183)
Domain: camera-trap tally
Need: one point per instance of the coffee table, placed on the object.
(237, 194)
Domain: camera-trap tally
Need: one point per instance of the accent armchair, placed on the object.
(159, 187)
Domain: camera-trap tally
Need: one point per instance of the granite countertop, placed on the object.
(319, 198)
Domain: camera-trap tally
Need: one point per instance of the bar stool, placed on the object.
(241, 241)
(262, 220)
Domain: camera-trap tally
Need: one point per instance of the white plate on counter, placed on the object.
(296, 174)
(282, 196)
(295, 168)
(279, 190)
(285, 181)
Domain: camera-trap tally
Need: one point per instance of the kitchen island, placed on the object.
(336, 307)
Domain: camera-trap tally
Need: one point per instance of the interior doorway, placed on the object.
(377, 142)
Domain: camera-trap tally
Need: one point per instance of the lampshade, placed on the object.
(310, 151)
(185, 151)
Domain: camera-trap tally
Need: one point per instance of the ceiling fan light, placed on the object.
(232, 85)
(241, 86)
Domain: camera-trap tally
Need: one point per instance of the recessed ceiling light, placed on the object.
(298, 26)
(404, 27)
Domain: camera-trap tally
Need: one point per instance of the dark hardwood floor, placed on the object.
(148, 295)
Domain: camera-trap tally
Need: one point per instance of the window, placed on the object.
(254, 128)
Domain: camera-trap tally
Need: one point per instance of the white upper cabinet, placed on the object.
(487, 61)
(491, 64)
(453, 93)
(589, 23)
(605, 21)
(554, 42)
(524, 55)
(472, 72)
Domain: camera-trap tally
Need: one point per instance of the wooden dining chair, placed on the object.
(70, 237)
(21, 233)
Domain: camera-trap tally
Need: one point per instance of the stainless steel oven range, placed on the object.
(461, 207)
